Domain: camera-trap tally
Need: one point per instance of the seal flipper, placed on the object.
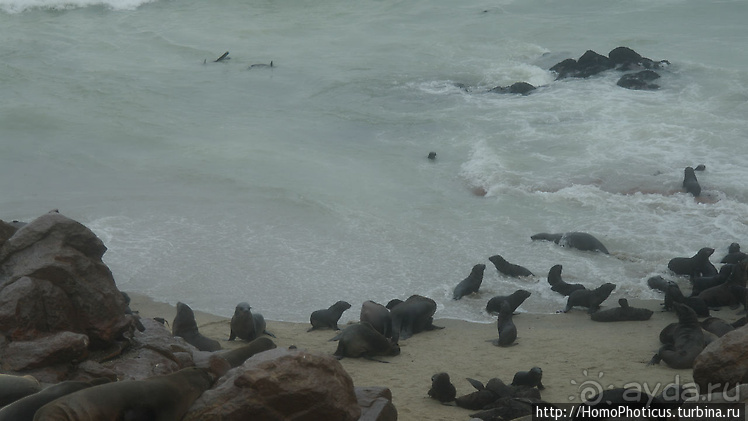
(224, 56)
(270, 334)
(232, 335)
(476, 384)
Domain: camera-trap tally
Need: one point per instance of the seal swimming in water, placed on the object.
(328, 318)
(262, 66)
(509, 269)
(471, 284)
(378, 316)
(362, 340)
(414, 315)
(578, 240)
(621, 314)
(589, 298)
(25, 408)
(531, 378)
(558, 284)
(247, 325)
(505, 326)
(442, 388)
(185, 326)
(694, 266)
(515, 299)
(690, 183)
(165, 397)
(687, 340)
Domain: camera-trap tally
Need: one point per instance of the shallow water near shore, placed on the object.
(304, 184)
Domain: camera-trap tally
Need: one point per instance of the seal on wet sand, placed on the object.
(471, 284)
(589, 298)
(328, 318)
(362, 340)
(509, 269)
(515, 299)
(558, 284)
(685, 344)
(577, 240)
(622, 313)
(185, 326)
(414, 315)
(378, 316)
(14, 387)
(247, 325)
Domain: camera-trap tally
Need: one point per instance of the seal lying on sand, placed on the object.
(713, 325)
(515, 299)
(362, 340)
(558, 284)
(531, 378)
(577, 240)
(471, 284)
(589, 298)
(690, 183)
(414, 315)
(247, 325)
(378, 316)
(509, 269)
(328, 318)
(694, 266)
(25, 408)
(156, 398)
(686, 343)
(185, 326)
(442, 388)
(622, 313)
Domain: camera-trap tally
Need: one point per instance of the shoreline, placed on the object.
(576, 354)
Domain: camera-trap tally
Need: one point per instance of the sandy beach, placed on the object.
(576, 354)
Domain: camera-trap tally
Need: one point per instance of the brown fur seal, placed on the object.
(531, 378)
(690, 183)
(734, 255)
(621, 314)
(362, 340)
(558, 284)
(328, 318)
(14, 387)
(514, 299)
(158, 398)
(509, 269)
(25, 408)
(687, 340)
(378, 316)
(505, 326)
(716, 326)
(589, 298)
(702, 283)
(578, 240)
(673, 294)
(731, 292)
(237, 356)
(414, 315)
(696, 265)
(471, 284)
(247, 325)
(185, 326)
(442, 388)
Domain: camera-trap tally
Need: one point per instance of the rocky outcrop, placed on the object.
(376, 404)
(281, 384)
(723, 364)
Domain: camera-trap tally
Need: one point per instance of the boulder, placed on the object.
(281, 384)
(723, 364)
(639, 80)
(522, 88)
(53, 349)
(376, 404)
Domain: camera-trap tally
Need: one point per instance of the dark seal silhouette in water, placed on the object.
(734, 255)
(247, 325)
(471, 284)
(442, 388)
(531, 378)
(694, 266)
(589, 298)
(185, 326)
(690, 183)
(328, 318)
(362, 340)
(577, 240)
(686, 342)
(509, 269)
(378, 316)
(621, 314)
(514, 299)
(558, 284)
(505, 326)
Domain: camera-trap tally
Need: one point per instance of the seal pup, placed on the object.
(378, 316)
(482, 396)
(185, 326)
(657, 282)
(442, 388)
(687, 340)
(558, 284)
(237, 356)
(515, 299)
(247, 325)
(505, 326)
(673, 294)
(622, 313)
(13, 388)
(471, 284)
(328, 318)
(431, 156)
(25, 408)
(531, 378)
(509, 269)
(734, 255)
(261, 66)
(578, 240)
(690, 183)
(694, 266)
(165, 397)
(589, 298)
(362, 340)
(414, 315)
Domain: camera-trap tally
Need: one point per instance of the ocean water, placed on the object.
(295, 186)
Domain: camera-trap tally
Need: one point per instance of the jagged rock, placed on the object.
(723, 363)
(376, 404)
(6, 231)
(281, 384)
(49, 350)
(639, 80)
(523, 88)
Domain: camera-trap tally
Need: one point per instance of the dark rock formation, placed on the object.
(723, 363)
(639, 80)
